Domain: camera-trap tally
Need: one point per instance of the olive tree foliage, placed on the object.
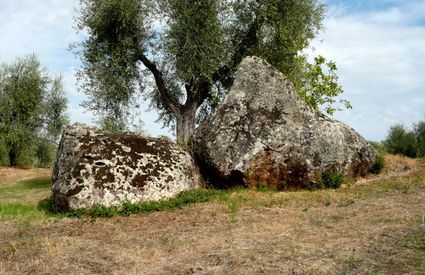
(54, 105)
(32, 113)
(181, 55)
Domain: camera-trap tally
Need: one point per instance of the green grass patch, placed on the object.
(28, 191)
(385, 186)
(27, 215)
(33, 185)
(25, 203)
(415, 239)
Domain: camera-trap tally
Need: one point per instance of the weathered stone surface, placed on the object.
(100, 168)
(262, 134)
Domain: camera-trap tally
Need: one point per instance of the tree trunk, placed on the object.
(12, 158)
(185, 121)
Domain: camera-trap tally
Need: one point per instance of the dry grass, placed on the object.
(11, 175)
(368, 229)
(395, 166)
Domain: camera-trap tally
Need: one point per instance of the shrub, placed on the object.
(378, 165)
(25, 158)
(332, 179)
(400, 141)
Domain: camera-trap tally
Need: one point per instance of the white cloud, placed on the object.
(381, 56)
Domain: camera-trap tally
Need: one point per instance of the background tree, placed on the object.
(419, 133)
(188, 52)
(400, 141)
(54, 105)
(32, 109)
(111, 124)
(54, 119)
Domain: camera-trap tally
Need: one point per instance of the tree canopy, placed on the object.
(32, 111)
(181, 55)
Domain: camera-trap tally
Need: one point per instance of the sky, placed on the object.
(378, 45)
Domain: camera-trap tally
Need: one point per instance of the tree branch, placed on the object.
(160, 83)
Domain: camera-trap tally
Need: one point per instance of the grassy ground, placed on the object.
(376, 225)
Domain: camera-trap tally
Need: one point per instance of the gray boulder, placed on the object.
(262, 134)
(100, 168)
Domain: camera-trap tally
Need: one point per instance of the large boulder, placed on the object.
(100, 168)
(262, 134)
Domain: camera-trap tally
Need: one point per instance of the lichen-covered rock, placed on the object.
(100, 168)
(262, 134)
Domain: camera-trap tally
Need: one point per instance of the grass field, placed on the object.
(376, 225)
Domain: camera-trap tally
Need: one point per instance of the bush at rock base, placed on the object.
(332, 180)
(378, 165)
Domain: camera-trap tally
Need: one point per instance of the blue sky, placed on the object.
(378, 45)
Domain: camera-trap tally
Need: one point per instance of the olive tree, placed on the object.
(181, 55)
(32, 111)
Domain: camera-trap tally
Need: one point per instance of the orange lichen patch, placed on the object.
(359, 168)
(12, 175)
(266, 172)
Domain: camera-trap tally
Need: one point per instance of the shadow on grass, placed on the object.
(45, 206)
(41, 184)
